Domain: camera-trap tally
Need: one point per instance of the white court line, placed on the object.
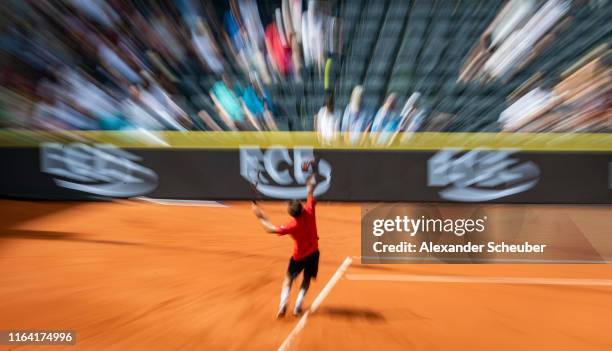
(330, 284)
(316, 303)
(295, 331)
(176, 202)
(478, 280)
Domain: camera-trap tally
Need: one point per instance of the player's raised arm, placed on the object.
(311, 182)
(265, 223)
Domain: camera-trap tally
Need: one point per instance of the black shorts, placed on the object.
(309, 264)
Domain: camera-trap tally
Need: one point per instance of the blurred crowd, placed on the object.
(235, 65)
(580, 99)
(113, 65)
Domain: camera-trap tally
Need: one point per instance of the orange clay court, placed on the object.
(131, 275)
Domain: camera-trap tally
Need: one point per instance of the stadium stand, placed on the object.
(477, 66)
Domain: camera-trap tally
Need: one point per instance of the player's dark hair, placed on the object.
(294, 208)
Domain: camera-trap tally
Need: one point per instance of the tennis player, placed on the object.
(303, 230)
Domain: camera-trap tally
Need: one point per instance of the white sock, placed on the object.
(284, 295)
(300, 298)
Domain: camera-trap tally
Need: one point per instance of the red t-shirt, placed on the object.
(278, 53)
(303, 230)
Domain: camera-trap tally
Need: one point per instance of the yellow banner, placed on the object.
(547, 142)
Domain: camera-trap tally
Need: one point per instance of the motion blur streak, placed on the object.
(392, 67)
(139, 276)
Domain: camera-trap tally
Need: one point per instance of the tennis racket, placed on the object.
(255, 194)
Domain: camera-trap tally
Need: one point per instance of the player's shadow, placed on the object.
(352, 313)
(51, 235)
